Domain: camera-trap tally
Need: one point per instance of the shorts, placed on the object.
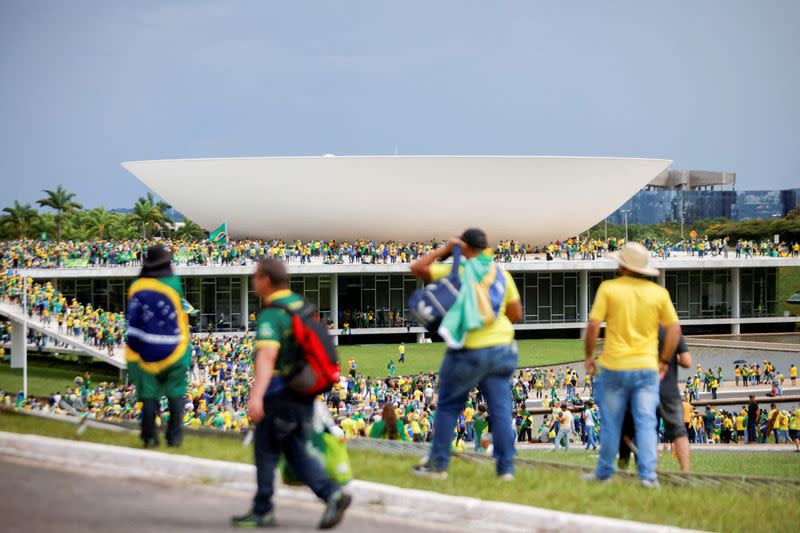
(670, 409)
(794, 434)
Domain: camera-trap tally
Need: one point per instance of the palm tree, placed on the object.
(166, 223)
(123, 227)
(99, 222)
(190, 231)
(147, 216)
(19, 219)
(61, 201)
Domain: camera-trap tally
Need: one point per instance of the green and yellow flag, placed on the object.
(220, 234)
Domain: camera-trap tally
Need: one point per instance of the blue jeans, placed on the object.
(590, 441)
(615, 391)
(284, 430)
(491, 370)
(562, 436)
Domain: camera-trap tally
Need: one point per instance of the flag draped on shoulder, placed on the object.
(220, 234)
(158, 326)
(483, 289)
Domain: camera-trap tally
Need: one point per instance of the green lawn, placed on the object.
(47, 375)
(373, 358)
(779, 464)
(788, 284)
(697, 508)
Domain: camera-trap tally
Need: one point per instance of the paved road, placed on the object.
(36, 499)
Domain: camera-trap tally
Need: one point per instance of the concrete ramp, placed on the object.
(15, 315)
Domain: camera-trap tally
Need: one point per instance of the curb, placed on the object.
(394, 501)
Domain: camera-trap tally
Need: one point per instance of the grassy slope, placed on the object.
(372, 359)
(779, 465)
(788, 284)
(685, 507)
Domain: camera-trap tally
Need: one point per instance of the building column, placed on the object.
(662, 278)
(335, 305)
(736, 307)
(244, 302)
(583, 299)
(19, 344)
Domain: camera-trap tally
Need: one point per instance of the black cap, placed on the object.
(475, 238)
(157, 263)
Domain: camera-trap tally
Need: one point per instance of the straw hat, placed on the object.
(635, 258)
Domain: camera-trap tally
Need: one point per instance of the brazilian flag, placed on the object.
(220, 234)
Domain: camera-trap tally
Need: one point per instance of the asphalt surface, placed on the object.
(38, 499)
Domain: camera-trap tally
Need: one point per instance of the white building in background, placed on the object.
(406, 198)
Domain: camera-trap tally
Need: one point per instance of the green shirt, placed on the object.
(275, 328)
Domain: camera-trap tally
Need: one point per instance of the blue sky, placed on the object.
(88, 84)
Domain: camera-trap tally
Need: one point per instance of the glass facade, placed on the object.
(549, 297)
(700, 293)
(379, 300)
(758, 295)
(375, 300)
(103, 293)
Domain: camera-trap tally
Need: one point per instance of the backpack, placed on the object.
(316, 366)
(429, 304)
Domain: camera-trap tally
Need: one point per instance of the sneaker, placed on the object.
(505, 477)
(429, 471)
(591, 476)
(152, 443)
(650, 483)
(334, 510)
(254, 520)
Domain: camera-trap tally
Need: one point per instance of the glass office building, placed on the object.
(379, 301)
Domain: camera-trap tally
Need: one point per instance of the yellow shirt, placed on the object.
(793, 372)
(349, 427)
(632, 308)
(497, 333)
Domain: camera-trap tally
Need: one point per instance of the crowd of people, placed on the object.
(94, 326)
(129, 253)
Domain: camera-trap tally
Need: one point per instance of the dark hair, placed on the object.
(389, 417)
(275, 270)
(475, 238)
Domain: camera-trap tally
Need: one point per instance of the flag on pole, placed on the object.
(188, 308)
(220, 234)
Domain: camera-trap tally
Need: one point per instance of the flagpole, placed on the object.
(25, 337)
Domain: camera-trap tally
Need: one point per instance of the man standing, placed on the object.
(676, 414)
(158, 352)
(488, 357)
(402, 351)
(753, 412)
(282, 417)
(632, 307)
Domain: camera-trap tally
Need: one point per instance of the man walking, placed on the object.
(564, 418)
(632, 307)
(488, 357)
(282, 417)
(158, 352)
(753, 412)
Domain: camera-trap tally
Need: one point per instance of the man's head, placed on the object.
(475, 240)
(563, 407)
(270, 276)
(752, 397)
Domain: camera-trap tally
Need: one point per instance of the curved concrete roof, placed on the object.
(532, 199)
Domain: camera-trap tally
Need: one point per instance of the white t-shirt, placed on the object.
(588, 418)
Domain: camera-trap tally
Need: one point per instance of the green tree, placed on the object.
(61, 201)
(19, 219)
(99, 222)
(190, 231)
(147, 217)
